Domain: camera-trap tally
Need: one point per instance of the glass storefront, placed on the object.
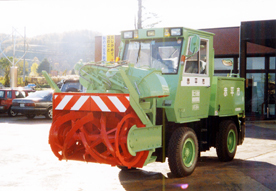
(255, 63)
(272, 63)
(255, 93)
(271, 94)
(260, 87)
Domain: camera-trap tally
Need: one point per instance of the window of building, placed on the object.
(272, 63)
(256, 99)
(271, 93)
(220, 66)
(255, 63)
(220, 74)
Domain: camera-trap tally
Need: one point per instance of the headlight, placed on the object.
(151, 33)
(128, 35)
(172, 32)
(176, 32)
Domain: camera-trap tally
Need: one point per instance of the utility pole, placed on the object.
(24, 54)
(13, 68)
(139, 24)
(13, 40)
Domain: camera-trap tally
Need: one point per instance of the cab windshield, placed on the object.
(162, 54)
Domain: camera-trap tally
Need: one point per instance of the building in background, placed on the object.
(106, 47)
(252, 48)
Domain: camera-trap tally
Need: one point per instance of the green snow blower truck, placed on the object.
(159, 99)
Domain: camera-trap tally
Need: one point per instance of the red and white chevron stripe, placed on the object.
(91, 102)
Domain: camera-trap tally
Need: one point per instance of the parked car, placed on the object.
(30, 86)
(70, 85)
(6, 97)
(38, 103)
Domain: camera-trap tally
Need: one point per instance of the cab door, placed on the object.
(195, 84)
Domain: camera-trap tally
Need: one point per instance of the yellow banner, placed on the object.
(110, 47)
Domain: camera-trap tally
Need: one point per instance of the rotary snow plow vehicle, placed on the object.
(159, 99)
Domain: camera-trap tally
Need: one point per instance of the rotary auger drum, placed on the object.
(93, 128)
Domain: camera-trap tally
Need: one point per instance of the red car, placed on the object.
(6, 97)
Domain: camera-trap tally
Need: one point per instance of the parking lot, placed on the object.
(27, 163)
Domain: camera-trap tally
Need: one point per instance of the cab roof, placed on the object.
(162, 33)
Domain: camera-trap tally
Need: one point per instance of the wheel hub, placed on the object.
(231, 140)
(188, 153)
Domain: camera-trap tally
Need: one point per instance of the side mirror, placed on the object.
(194, 44)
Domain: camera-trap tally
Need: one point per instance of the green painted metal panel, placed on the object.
(148, 82)
(193, 103)
(227, 97)
(50, 81)
(145, 138)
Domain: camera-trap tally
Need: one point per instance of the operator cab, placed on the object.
(162, 54)
(155, 48)
(164, 49)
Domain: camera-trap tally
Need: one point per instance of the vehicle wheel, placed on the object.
(226, 141)
(124, 168)
(183, 151)
(11, 113)
(30, 116)
(49, 114)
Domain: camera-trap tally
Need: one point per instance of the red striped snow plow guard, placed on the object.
(93, 127)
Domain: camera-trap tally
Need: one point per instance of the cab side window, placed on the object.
(198, 63)
(9, 94)
(2, 94)
(20, 94)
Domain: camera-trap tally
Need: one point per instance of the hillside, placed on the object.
(63, 51)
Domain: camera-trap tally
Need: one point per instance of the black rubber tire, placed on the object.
(226, 140)
(181, 137)
(11, 113)
(49, 114)
(124, 168)
(30, 116)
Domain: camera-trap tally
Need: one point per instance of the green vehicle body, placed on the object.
(175, 94)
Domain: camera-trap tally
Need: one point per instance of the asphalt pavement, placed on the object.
(27, 163)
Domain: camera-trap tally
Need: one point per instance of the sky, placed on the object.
(109, 17)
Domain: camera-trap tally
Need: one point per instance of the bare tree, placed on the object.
(148, 17)
(139, 24)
